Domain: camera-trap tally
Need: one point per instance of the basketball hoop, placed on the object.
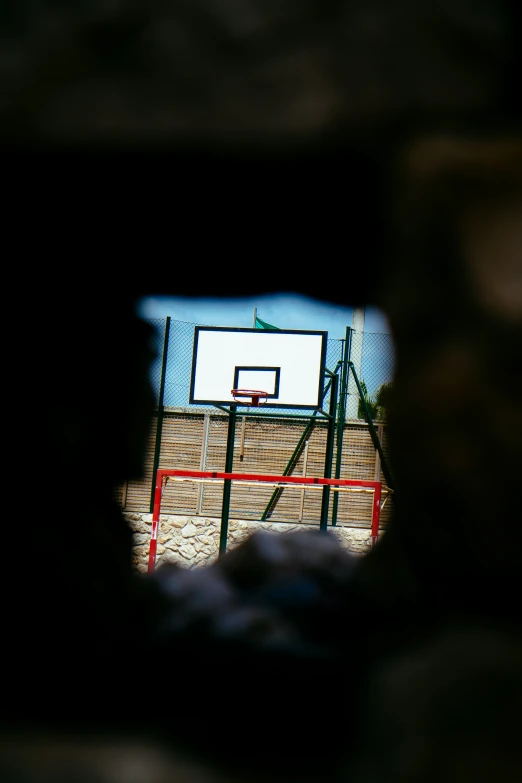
(256, 397)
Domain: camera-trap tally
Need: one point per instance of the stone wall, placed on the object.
(193, 541)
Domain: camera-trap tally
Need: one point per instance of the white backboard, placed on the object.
(287, 364)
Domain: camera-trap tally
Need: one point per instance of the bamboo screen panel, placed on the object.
(276, 446)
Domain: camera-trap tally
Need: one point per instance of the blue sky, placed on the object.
(286, 311)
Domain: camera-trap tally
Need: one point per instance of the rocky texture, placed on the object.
(194, 541)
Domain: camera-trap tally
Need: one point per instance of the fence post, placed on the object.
(373, 431)
(229, 466)
(159, 423)
(203, 460)
(341, 419)
(329, 451)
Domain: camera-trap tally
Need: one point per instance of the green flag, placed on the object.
(263, 325)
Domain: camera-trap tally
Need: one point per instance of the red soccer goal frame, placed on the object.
(209, 475)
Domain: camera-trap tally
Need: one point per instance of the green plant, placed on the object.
(383, 398)
(378, 403)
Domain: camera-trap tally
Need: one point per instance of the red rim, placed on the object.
(254, 394)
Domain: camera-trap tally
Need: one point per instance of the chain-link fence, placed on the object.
(346, 438)
(371, 354)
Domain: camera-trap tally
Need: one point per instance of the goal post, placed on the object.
(308, 482)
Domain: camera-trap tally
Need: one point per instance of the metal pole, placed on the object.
(373, 431)
(242, 444)
(341, 419)
(349, 332)
(203, 461)
(305, 464)
(159, 424)
(303, 440)
(329, 452)
(225, 509)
